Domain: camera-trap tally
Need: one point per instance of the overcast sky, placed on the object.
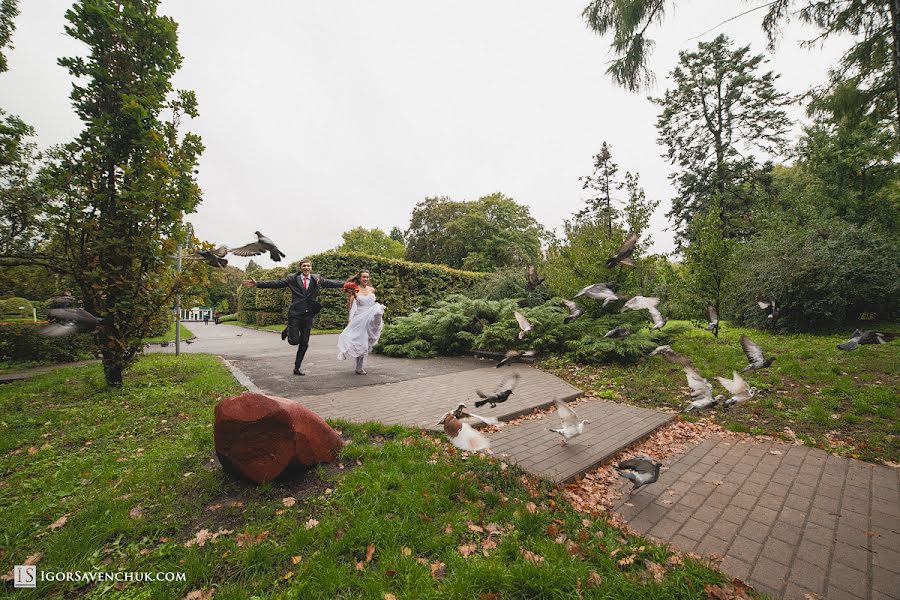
(319, 117)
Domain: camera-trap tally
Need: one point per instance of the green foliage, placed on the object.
(228, 318)
(15, 307)
(459, 324)
(374, 242)
(511, 283)
(21, 342)
(720, 105)
(824, 275)
(400, 285)
(707, 260)
(482, 235)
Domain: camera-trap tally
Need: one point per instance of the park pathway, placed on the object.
(792, 521)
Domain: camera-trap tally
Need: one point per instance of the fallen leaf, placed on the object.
(487, 545)
(658, 571)
(530, 507)
(135, 512)
(311, 523)
(715, 592)
(552, 530)
(627, 560)
(490, 596)
(390, 572)
(288, 575)
(422, 561)
(388, 596)
(438, 569)
(200, 594)
(674, 561)
(58, 523)
(295, 560)
(406, 551)
(289, 501)
(532, 557)
(594, 579)
(248, 539)
(32, 450)
(202, 536)
(448, 530)
(586, 522)
(467, 549)
(360, 566)
(775, 452)
(236, 504)
(370, 552)
(475, 528)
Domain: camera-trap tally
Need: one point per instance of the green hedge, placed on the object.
(22, 342)
(226, 318)
(401, 286)
(15, 307)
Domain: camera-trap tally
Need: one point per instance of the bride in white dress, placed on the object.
(364, 328)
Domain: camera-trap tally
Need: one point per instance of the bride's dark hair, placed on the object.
(355, 279)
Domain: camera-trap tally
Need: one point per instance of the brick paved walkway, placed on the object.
(789, 520)
(533, 447)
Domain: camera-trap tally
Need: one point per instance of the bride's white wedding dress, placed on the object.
(366, 321)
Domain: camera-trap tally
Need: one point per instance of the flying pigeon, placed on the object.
(650, 304)
(516, 356)
(571, 426)
(754, 355)
(599, 291)
(739, 389)
(64, 301)
(770, 307)
(461, 413)
(618, 333)
(701, 391)
(640, 470)
(713, 320)
(262, 245)
(623, 256)
(463, 435)
(501, 394)
(524, 325)
(214, 258)
(671, 356)
(575, 311)
(532, 279)
(67, 321)
(858, 338)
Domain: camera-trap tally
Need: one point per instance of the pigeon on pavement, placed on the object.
(262, 245)
(754, 355)
(461, 413)
(575, 311)
(571, 426)
(501, 394)
(650, 305)
(739, 389)
(524, 325)
(462, 435)
(517, 356)
(623, 256)
(640, 470)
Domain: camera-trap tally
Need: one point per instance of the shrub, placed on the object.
(269, 318)
(510, 283)
(402, 286)
(22, 342)
(15, 307)
(823, 275)
(226, 318)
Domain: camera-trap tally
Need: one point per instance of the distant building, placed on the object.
(198, 313)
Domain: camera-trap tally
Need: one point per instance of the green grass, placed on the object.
(278, 328)
(71, 447)
(845, 402)
(169, 336)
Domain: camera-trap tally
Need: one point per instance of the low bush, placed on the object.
(15, 307)
(227, 318)
(21, 342)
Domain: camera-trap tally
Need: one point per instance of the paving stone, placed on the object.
(851, 556)
(778, 551)
(771, 574)
(786, 533)
(886, 582)
(809, 576)
(744, 549)
(845, 578)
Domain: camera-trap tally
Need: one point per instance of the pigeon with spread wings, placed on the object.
(501, 394)
(214, 258)
(599, 291)
(575, 311)
(701, 391)
(462, 435)
(68, 321)
(571, 426)
(650, 305)
(641, 470)
(524, 325)
(623, 256)
(461, 412)
(755, 355)
(739, 389)
(517, 356)
(713, 320)
(260, 246)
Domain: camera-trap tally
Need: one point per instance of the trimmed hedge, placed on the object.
(17, 307)
(401, 286)
(22, 342)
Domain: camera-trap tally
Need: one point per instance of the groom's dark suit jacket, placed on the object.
(304, 302)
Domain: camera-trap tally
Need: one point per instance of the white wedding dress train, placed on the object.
(363, 330)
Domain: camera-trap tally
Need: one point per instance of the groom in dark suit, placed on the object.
(304, 286)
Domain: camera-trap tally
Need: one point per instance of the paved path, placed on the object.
(613, 427)
(10, 376)
(789, 520)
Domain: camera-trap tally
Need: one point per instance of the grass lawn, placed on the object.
(278, 328)
(844, 402)
(169, 336)
(95, 479)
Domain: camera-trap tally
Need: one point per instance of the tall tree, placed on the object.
(9, 10)
(721, 103)
(371, 241)
(119, 190)
(601, 182)
(493, 231)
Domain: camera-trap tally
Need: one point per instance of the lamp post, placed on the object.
(189, 230)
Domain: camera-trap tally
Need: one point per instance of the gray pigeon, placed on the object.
(214, 258)
(517, 356)
(713, 320)
(858, 338)
(619, 333)
(599, 291)
(68, 321)
(754, 355)
(461, 412)
(623, 256)
(571, 426)
(650, 305)
(701, 391)
(64, 301)
(770, 308)
(640, 470)
(532, 279)
(575, 311)
(501, 394)
(739, 389)
(671, 356)
(262, 245)
(524, 325)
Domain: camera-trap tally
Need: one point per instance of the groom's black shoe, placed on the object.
(299, 371)
(284, 334)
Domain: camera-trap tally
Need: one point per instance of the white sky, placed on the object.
(319, 117)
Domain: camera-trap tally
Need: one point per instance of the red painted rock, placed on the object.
(260, 436)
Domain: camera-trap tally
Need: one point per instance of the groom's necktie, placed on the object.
(305, 283)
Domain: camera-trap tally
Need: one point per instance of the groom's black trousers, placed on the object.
(299, 329)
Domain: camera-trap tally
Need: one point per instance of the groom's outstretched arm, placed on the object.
(330, 283)
(274, 283)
